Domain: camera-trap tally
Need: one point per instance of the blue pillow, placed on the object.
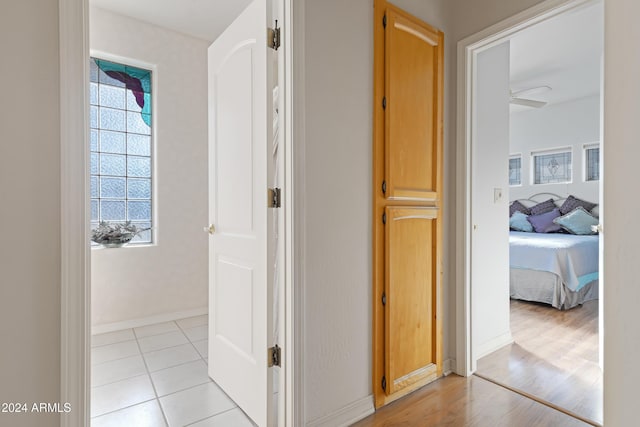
(578, 221)
(518, 222)
(543, 223)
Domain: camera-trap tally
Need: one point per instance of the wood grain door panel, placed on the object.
(410, 266)
(411, 68)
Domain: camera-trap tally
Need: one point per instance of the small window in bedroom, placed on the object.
(121, 146)
(552, 167)
(515, 170)
(592, 163)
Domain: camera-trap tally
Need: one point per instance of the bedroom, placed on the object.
(549, 347)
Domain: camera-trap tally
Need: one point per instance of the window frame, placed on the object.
(512, 157)
(154, 235)
(585, 150)
(552, 151)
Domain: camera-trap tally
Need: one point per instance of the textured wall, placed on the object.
(29, 209)
(621, 251)
(170, 276)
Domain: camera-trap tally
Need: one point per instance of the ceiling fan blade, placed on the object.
(530, 91)
(527, 102)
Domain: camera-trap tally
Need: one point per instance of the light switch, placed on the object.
(497, 195)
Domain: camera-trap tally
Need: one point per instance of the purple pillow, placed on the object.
(544, 207)
(543, 223)
(573, 202)
(518, 207)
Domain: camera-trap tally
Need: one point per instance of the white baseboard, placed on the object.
(347, 415)
(362, 408)
(447, 366)
(144, 321)
(493, 345)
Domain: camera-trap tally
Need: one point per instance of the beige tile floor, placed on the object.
(156, 376)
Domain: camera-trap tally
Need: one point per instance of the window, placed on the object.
(515, 170)
(592, 163)
(121, 145)
(552, 167)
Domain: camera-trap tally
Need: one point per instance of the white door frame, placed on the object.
(468, 49)
(75, 296)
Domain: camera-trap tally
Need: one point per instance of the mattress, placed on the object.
(574, 259)
(556, 269)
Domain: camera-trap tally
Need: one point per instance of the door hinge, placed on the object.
(273, 37)
(384, 383)
(274, 356)
(384, 218)
(274, 197)
(384, 103)
(384, 298)
(384, 187)
(384, 21)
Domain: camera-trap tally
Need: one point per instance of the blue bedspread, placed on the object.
(573, 258)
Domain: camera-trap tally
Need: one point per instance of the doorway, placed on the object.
(475, 306)
(76, 294)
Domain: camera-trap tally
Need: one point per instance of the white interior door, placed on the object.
(240, 294)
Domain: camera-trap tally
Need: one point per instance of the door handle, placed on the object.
(210, 229)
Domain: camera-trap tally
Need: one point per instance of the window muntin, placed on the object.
(552, 167)
(515, 170)
(592, 163)
(121, 145)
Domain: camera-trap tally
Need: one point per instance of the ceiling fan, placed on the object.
(516, 97)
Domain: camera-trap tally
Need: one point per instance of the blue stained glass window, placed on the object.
(94, 140)
(139, 210)
(113, 164)
(112, 142)
(138, 145)
(139, 167)
(139, 189)
(121, 145)
(94, 187)
(112, 210)
(112, 188)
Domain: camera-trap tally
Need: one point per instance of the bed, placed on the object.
(559, 269)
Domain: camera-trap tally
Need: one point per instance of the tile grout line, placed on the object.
(125, 407)
(164, 416)
(206, 361)
(212, 416)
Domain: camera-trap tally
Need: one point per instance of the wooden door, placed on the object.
(408, 111)
(240, 294)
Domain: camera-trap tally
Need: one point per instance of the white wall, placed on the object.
(171, 276)
(569, 124)
(29, 209)
(338, 210)
(490, 235)
(621, 206)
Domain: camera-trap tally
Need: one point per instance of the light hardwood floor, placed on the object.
(554, 357)
(473, 401)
